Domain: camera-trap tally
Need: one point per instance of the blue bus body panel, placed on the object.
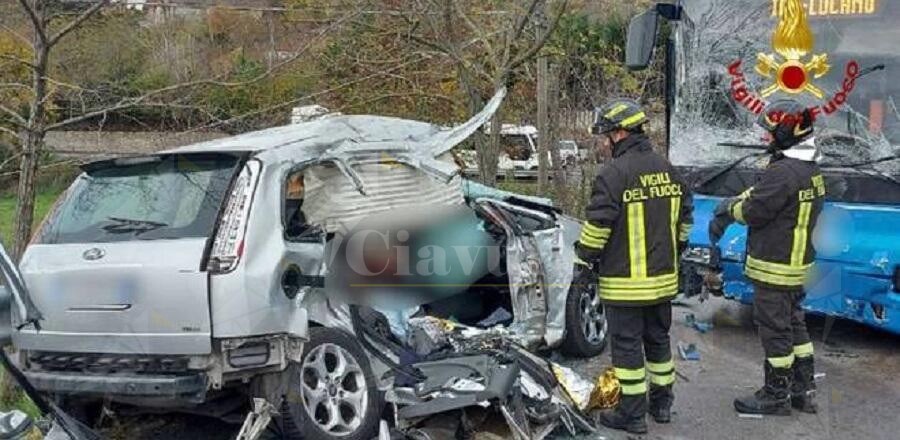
(858, 250)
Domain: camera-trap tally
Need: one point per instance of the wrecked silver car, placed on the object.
(182, 279)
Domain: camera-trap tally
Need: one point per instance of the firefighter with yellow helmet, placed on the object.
(637, 224)
(780, 212)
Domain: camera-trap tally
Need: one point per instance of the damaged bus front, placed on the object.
(723, 64)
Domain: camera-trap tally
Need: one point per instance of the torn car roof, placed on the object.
(350, 133)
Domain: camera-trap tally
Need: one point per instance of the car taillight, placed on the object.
(228, 246)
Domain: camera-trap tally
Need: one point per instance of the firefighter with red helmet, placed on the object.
(780, 212)
(638, 220)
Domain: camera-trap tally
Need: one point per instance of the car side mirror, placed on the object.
(641, 39)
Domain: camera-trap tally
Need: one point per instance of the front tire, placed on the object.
(586, 327)
(333, 394)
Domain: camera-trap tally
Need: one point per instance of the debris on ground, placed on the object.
(607, 391)
(701, 326)
(837, 352)
(750, 416)
(818, 376)
(474, 379)
(688, 352)
(257, 420)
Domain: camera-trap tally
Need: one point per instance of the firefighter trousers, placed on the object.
(638, 333)
(778, 314)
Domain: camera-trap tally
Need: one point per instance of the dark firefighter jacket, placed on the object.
(781, 211)
(637, 218)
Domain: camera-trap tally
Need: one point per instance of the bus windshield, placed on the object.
(714, 34)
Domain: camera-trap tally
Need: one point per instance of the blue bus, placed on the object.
(724, 59)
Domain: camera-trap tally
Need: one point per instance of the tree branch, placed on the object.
(16, 34)
(8, 131)
(14, 86)
(533, 50)
(17, 118)
(35, 20)
(17, 59)
(72, 25)
(401, 95)
(523, 20)
(307, 97)
(143, 99)
(11, 157)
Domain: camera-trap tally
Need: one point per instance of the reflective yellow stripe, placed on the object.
(593, 236)
(637, 240)
(591, 242)
(674, 209)
(780, 269)
(616, 110)
(581, 262)
(685, 232)
(660, 368)
(768, 278)
(630, 374)
(662, 379)
(801, 234)
(639, 294)
(633, 119)
(647, 282)
(782, 362)
(633, 381)
(737, 211)
(597, 231)
(662, 373)
(803, 350)
(744, 195)
(634, 389)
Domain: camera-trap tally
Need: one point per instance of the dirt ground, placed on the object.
(859, 395)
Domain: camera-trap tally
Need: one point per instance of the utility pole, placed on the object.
(543, 116)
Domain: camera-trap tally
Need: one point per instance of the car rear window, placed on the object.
(158, 197)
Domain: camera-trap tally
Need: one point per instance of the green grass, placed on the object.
(43, 201)
(12, 397)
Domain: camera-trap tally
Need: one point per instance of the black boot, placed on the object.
(628, 415)
(661, 398)
(803, 387)
(773, 398)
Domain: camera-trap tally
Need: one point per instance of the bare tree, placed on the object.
(50, 23)
(487, 49)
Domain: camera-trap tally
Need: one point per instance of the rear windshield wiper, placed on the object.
(124, 225)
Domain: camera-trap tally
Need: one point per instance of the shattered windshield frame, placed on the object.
(714, 34)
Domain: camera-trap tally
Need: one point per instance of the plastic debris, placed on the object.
(257, 420)
(498, 316)
(428, 334)
(606, 392)
(750, 416)
(701, 326)
(818, 376)
(688, 352)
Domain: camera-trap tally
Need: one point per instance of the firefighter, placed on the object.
(780, 212)
(638, 221)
